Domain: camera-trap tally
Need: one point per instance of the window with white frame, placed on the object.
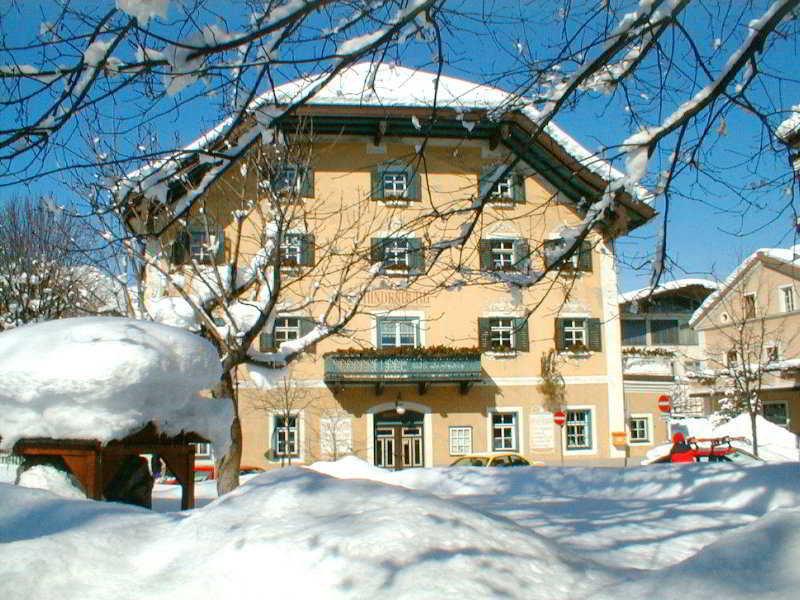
(396, 253)
(501, 333)
(504, 431)
(285, 436)
(503, 189)
(398, 332)
(787, 298)
(395, 184)
(203, 450)
(777, 412)
(574, 332)
(502, 254)
(286, 329)
(579, 429)
(292, 249)
(639, 428)
(203, 239)
(460, 441)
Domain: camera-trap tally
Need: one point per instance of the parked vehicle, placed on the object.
(494, 459)
(708, 450)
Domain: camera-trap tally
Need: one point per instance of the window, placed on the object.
(772, 353)
(665, 332)
(777, 412)
(503, 189)
(580, 260)
(574, 332)
(579, 429)
(502, 333)
(731, 359)
(202, 242)
(787, 298)
(502, 254)
(293, 179)
(396, 253)
(285, 436)
(634, 332)
(395, 185)
(460, 441)
(398, 332)
(292, 249)
(640, 429)
(203, 450)
(504, 431)
(286, 329)
(749, 306)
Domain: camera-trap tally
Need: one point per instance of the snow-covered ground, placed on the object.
(348, 529)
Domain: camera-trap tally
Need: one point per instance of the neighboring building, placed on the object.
(474, 383)
(660, 352)
(754, 320)
(789, 133)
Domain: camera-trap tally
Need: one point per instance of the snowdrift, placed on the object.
(474, 533)
(103, 378)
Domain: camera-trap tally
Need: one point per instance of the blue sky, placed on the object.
(711, 232)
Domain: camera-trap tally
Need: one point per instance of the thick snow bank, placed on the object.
(103, 378)
(477, 533)
(775, 444)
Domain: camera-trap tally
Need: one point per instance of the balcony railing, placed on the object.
(342, 369)
(653, 366)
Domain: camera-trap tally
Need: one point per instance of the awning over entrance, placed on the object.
(344, 369)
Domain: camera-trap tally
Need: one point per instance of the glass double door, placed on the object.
(398, 441)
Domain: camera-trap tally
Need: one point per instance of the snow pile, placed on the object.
(775, 444)
(307, 535)
(104, 378)
(669, 286)
(47, 477)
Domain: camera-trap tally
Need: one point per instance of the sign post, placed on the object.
(665, 406)
(560, 418)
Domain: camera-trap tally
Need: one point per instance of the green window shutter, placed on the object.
(307, 183)
(377, 250)
(519, 187)
(265, 343)
(307, 250)
(307, 325)
(485, 250)
(416, 255)
(413, 191)
(484, 334)
(559, 335)
(376, 184)
(219, 256)
(522, 252)
(521, 338)
(483, 181)
(550, 246)
(179, 252)
(594, 333)
(585, 256)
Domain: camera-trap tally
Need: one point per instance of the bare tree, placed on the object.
(286, 403)
(45, 272)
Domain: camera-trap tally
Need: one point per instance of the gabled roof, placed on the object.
(669, 286)
(388, 86)
(787, 256)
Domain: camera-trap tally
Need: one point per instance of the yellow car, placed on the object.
(494, 459)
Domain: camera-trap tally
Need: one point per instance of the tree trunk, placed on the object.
(753, 415)
(228, 466)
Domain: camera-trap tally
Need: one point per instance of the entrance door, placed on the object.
(398, 440)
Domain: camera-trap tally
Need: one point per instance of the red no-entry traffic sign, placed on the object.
(664, 403)
(560, 418)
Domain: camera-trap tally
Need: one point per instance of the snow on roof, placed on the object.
(391, 85)
(668, 286)
(104, 377)
(789, 256)
(791, 125)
